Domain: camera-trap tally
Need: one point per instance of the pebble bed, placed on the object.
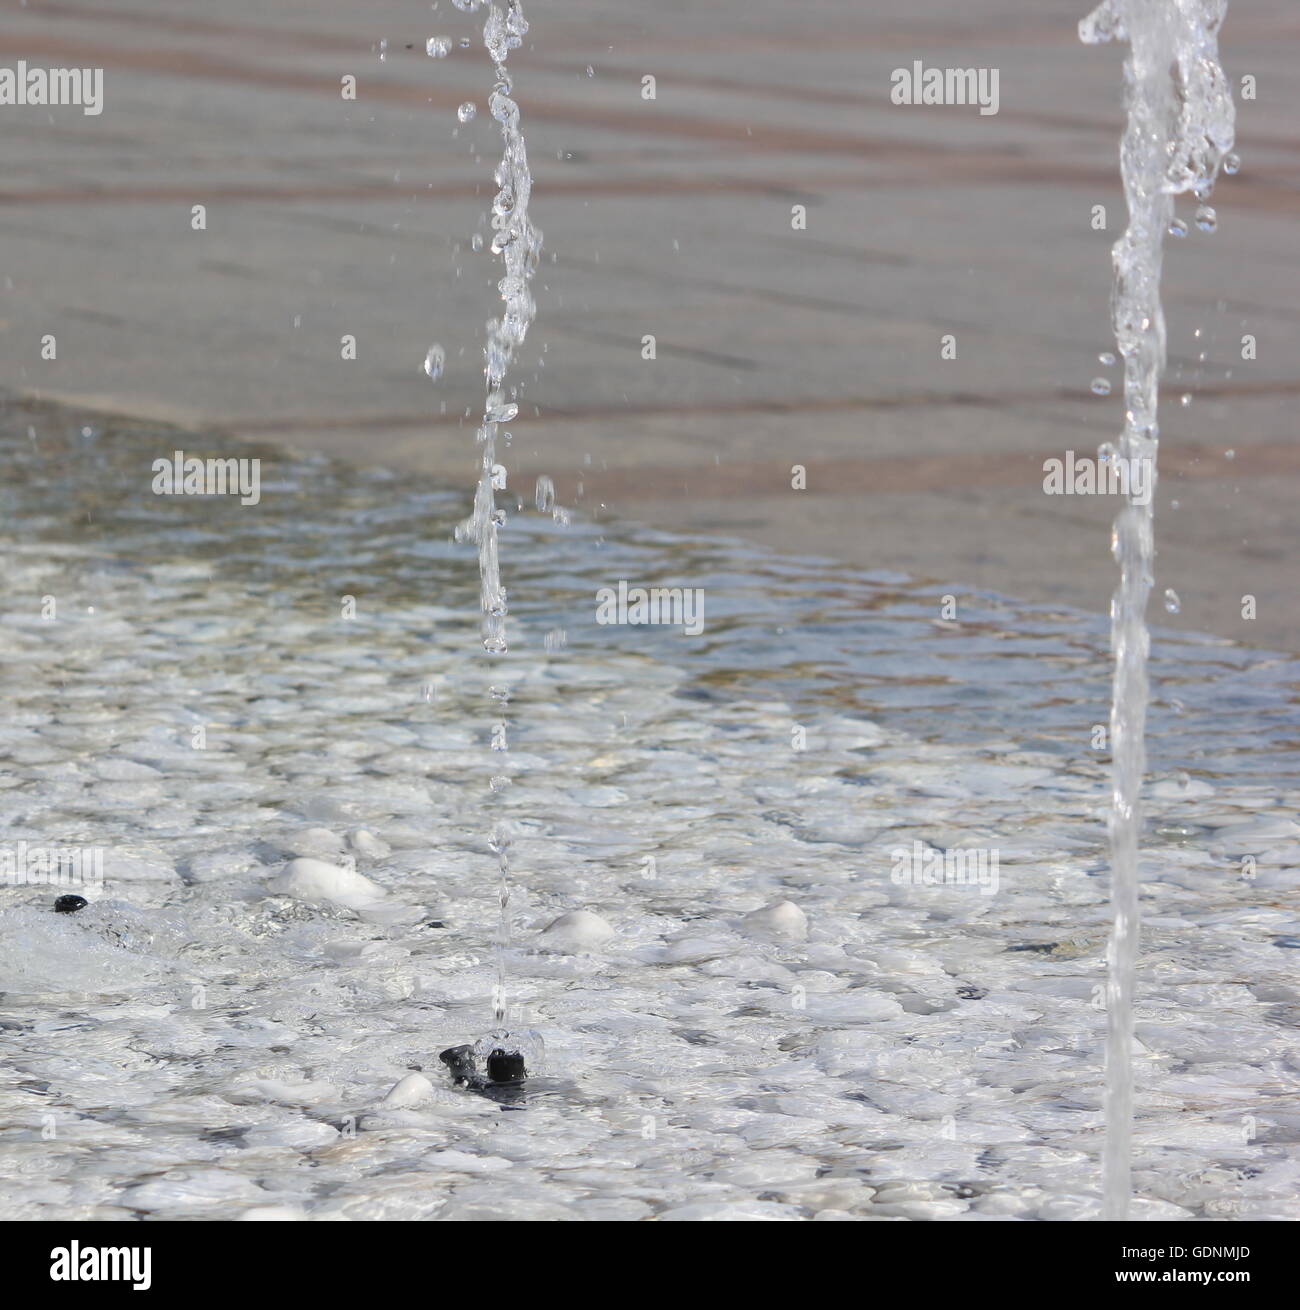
(211, 1037)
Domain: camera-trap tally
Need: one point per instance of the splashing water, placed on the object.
(1180, 126)
(519, 244)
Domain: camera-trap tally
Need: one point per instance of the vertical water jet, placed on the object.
(517, 242)
(1180, 125)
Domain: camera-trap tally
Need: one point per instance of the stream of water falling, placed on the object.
(518, 243)
(1180, 125)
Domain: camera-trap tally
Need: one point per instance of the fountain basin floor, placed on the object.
(193, 1044)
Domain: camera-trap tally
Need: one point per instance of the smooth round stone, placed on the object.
(411, 1090)
(318, 843)
(306, 1135)
(575, 932)
(780, 919)
(273, 1213)
(315, 880)
(464, 1162)
(367, 845)
(763, 1170)
(729, 1211)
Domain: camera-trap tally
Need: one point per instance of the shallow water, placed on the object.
(193, 1045)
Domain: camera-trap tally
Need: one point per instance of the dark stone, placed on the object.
(460, 1061)
(69, 904)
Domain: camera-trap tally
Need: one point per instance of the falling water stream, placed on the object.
(518, 243)
(1180, 125)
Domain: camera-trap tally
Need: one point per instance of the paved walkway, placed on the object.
(820, 346)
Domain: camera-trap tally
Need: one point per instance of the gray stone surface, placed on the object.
(776, 347)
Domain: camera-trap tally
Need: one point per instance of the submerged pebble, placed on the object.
(315, 880)
(575, 932)
(411, 1090)
(780, 919)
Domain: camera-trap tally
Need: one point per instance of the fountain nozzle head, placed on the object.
(503, 1068)
(506, 1067)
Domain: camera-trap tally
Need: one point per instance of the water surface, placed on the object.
(200, 1047)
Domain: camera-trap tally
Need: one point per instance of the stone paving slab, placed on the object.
(774, 346)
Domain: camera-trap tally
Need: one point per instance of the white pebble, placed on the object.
(368, 845)
(411, 1090)
(318, 843)
(576, 932)
(267, 1213)
(314, 880)
(780, 919)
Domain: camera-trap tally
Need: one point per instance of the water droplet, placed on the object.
(1106, 358)
(1229, 454)
(464, 43)
(1106, 452)
(476, 241)
(1231, 164)
(383, 51)
(1102, 25)
(1172, 603)
(1100, 386)
(545, 494)
(1206, 219)
(435, 361)
(465, 113)
(591, 72)
(438, 47)
(1185, 400)
(1178, 228)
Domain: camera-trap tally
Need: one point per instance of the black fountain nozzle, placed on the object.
(69, 904)
(503, 1068)
(506, 1067)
